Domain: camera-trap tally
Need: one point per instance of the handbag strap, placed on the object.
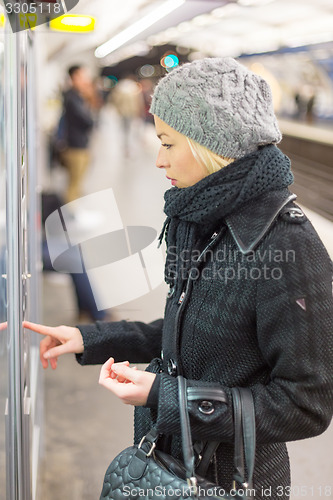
(206, 453)
(245, 435)
(188, 453)
(239, 473)
(244, 430)
(249, 426)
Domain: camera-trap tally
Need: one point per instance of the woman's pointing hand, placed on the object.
(59, 340)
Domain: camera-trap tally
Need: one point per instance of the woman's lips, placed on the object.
(173, 181)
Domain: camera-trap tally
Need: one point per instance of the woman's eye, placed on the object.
(167, 146)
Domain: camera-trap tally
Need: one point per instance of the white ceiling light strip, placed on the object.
(137, 28)
(254, 3)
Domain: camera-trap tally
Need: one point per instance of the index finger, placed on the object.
(44, 330)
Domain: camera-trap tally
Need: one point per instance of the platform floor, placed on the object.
(85, 426)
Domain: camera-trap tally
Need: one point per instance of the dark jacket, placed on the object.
(78, 120)
(259, 313)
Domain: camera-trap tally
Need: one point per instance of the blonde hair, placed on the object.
(207, 158)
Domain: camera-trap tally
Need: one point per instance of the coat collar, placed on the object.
(249, 224)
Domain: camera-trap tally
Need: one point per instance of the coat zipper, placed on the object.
(181, 298)
(185, 294)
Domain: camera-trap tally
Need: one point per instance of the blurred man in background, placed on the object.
(79, 101)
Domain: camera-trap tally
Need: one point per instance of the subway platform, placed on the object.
(85, 426)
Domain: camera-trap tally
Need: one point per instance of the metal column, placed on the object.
(18, 453)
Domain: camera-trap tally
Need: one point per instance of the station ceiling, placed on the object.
(211, 27)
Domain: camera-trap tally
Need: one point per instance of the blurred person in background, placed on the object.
(305, 101)
(81, 103)
(85, 301)
(250, 301)
(147, 86)
(128, 100)
(310, 106)
(77, 123)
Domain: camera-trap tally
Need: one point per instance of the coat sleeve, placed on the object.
(135, 341)
(295, 336)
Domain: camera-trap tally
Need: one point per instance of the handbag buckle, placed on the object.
(151, 449)
(234, 485)
(193, 484)
(153, 446)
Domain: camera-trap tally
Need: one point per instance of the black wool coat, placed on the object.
(258, 313)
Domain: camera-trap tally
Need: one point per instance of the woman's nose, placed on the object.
(161, 161)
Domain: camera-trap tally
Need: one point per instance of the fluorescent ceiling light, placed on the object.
(136, 28)
(254, 3)
(76, 21)
(134, 49)
(73, 23)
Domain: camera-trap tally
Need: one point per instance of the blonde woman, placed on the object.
(250, 301)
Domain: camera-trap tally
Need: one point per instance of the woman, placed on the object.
(250, 300)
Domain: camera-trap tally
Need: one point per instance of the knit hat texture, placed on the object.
(220, 104)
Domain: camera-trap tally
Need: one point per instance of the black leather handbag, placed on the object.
(142, 471)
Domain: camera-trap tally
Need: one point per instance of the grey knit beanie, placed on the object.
(220, 104)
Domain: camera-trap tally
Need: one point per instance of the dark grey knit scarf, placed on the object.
(191, 210)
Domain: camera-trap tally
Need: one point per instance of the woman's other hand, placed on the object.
(59, 340)
(130, 385)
